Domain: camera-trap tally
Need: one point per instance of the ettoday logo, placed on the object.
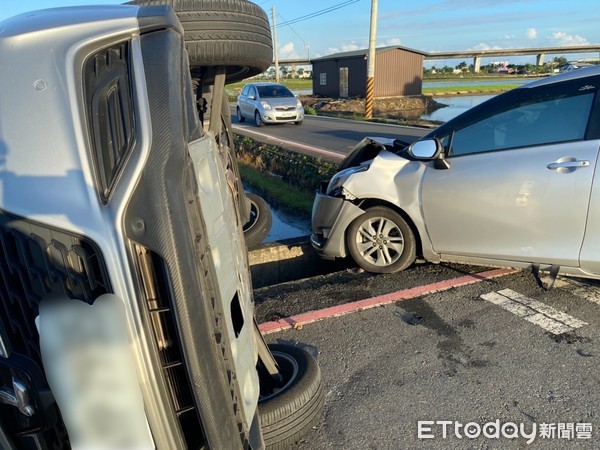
(429, 429)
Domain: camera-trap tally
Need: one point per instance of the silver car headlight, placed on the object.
(335, 185)
(298, 103)
(265, 105)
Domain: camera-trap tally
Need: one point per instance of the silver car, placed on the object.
(511, 182)
(269, 103)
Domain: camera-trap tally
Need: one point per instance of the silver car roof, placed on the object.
(559, 78)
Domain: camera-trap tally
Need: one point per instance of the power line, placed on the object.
(306, 46)
(318, 13)
(291, 28)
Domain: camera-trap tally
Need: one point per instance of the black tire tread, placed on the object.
(231, 33)
(255, 235)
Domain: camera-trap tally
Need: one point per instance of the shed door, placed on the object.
(343, 82)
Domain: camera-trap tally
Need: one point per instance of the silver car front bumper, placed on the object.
(331, 216)
(274, 116)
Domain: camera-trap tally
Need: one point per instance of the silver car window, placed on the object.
(274, 91)
(527, 121)
(551, 119)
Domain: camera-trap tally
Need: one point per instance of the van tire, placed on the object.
(288, 415)
(231, 33)
(261, 220)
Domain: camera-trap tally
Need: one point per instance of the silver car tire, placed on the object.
(381, 241)
(240, 118)
(257, 120)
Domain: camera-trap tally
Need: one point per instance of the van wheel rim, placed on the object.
(380, 241)
(288, 369)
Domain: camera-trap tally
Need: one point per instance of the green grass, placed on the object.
(294, 84)
(304, 84)
(480, 88)
(277, 191)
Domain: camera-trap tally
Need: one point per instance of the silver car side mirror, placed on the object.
(425, 149)
(429, 149)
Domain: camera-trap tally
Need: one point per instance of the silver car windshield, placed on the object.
(274, 91)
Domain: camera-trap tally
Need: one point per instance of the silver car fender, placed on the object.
(397, 181)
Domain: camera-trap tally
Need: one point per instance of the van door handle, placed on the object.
(568, 166)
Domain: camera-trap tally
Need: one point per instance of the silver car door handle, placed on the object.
(568, 165)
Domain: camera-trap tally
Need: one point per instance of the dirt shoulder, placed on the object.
(403, 110)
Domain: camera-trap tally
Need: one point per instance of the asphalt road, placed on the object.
(329, 138)
(449, 356)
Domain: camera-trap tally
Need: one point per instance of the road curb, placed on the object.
(298, 321)
(281, 261)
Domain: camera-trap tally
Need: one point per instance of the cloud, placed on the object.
(565, 39)
(392, 41)
(531, 33)
(348, 47)
(483, 46)
(287, 51)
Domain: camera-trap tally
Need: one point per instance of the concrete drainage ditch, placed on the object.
(288, 260)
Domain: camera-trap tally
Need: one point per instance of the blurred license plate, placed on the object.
(88, 363)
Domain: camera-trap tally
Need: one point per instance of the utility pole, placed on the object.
(275, 44)
(371, 63)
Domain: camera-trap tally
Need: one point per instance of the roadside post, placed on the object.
(371, 63)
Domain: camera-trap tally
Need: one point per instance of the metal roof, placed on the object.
(365, 52)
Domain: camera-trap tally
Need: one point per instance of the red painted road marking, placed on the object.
(340, 310)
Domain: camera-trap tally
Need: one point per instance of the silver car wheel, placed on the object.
(257, 120)
(380, 241)
(240, 117)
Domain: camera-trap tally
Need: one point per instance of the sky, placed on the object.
(425, 25)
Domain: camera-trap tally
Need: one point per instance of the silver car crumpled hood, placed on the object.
(389, 177)
(369, 148)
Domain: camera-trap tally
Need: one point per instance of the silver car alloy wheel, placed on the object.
(379, 241)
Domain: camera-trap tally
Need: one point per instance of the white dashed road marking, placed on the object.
(538, 313)
(581, 289)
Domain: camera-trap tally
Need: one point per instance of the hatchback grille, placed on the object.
(36, 261)
(285, 108)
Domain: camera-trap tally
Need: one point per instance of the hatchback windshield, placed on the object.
(274, 91)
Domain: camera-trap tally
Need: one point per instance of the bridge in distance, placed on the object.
(539, 52)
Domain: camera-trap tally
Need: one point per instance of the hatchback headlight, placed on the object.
(298, 104)
(335, 185)
(265, 105)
